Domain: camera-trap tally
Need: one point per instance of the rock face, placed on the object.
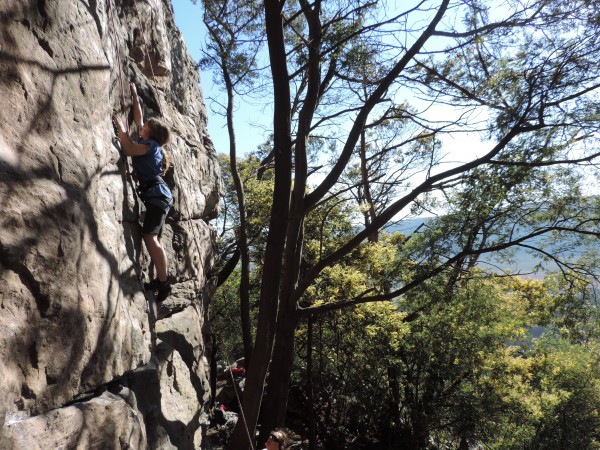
(87, 359)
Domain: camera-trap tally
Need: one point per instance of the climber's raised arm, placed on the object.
(138, 117)
(129, 148)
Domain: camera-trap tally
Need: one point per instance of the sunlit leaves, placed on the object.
(469, 367)
(550, 395)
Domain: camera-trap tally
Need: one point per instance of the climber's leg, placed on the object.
(151, 231)
(157, 254)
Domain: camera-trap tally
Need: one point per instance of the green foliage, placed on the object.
(349, 369)
(224, 316)
(466, 371)
(449, 364)
(258, 206)
(225, 309)
(449, 358)
(549, 395)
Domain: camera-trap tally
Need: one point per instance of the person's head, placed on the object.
(277, 440)
(156, 130)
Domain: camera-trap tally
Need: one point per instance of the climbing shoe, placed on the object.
(160, 289)
(152, 285)
(163, 290)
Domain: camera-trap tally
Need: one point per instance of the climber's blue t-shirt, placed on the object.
(148, 167)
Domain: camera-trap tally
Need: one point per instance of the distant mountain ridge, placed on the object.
(523, 261)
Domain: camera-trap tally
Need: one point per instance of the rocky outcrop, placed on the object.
(87, 359)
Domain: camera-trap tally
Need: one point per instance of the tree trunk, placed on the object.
(244, 433)
(280, 373)
(312, 430)
(287, 320)
(394, 421)
(244, 290)
(281, 261)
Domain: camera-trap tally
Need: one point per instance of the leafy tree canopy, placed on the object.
(367, 98)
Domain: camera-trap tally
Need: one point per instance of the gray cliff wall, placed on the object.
(87, 359)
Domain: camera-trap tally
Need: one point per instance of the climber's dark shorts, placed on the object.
(154, 221)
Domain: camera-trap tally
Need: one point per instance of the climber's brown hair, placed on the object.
(160, 132)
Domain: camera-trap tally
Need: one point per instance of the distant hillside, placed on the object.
(521, 260)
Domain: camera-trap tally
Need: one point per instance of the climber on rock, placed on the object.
(150, 163)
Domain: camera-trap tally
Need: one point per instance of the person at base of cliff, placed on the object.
(149, 163)
(277, 440)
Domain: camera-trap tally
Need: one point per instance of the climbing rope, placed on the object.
(111, 13)
(237, 396)
(147, 54)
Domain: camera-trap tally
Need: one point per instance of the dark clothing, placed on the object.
(149, 165)
(148, 169)
(153, 191)
(154, 221)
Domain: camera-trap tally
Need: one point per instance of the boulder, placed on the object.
(106, 421)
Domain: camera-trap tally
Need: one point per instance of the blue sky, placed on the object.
(250, 119)
(188, 18)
